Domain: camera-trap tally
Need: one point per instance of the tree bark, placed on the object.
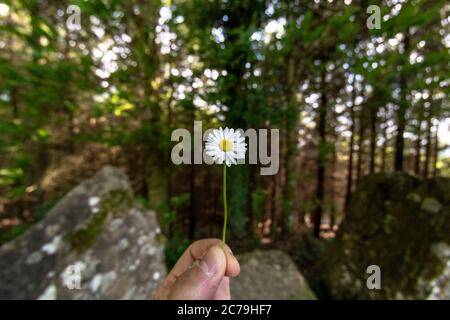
(373, 139)
(384, 146)
(361, 137)
(401, 112)
(250, 214)
(333, 195)
(273, 207)
(320, 190)
(436, 150)
(351, 150)
(418, 146)
(192, 222)
(426, 165)
(291, 120)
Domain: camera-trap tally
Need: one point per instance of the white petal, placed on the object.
(221, 157)
(231, 157)
(240, 145)
(231, 154)
(217, 135)
(211, 153)
(212, 147)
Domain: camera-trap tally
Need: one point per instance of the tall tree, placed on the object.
(322, 154)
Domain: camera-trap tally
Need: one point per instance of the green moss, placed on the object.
(8, 234)
(394, 230)
(304, 293)
(84, 238)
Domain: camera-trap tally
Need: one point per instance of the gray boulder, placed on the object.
(269, 275)
(96, 243)
(400, 224)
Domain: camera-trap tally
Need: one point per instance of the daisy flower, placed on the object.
(225, 146)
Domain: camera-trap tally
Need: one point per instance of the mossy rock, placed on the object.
(97, 229)
(401, 224)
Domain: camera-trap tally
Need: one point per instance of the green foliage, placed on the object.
(167, 210)
(325, 150)
(175, 247)
(258, 199)
(10, 176)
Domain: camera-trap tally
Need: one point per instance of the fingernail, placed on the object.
(210, 262)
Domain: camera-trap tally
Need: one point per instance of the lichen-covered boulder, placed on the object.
(269, 275)
(400, 224)
(96, 243)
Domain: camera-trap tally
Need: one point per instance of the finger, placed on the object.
(223, 292)
(202, 280)
(196, 250)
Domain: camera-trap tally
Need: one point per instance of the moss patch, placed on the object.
(393, 221)
(84, 238)
(8, 234)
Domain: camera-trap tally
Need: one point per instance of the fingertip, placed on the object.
(233, 267)
(215, 253)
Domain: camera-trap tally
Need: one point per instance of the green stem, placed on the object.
(224, 232)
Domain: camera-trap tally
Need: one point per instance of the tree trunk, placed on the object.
(401, 112)
(12, 55)
(320, 191)
(291, 120)
(418, 142)
(351, 150)
(426, 165)
(333, 195)
(384, 147)
(273, 207)
(361, 137)
(250, 214)
(373, 139)
(436, 150)
(192, 221)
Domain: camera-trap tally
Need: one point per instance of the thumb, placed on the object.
(203, 278)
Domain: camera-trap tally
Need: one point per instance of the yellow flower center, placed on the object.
(226, 145)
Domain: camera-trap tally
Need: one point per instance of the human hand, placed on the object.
(202, 273)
